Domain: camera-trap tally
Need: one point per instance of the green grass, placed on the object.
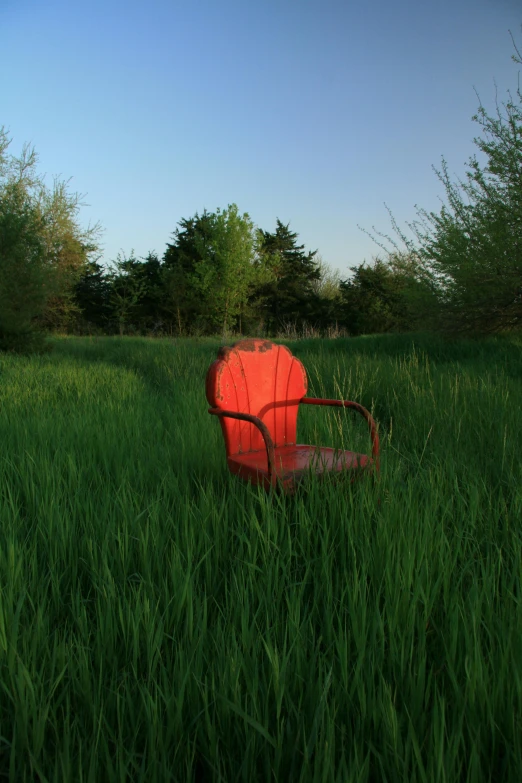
(162, 621)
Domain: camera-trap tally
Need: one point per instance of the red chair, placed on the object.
(255, 388)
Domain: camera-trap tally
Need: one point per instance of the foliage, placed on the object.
(288, 295)
(324, 302)
(470, 254)
(91, 294)
(70, 249)
(220, 274)
(326, 285)
(149, 273)
(181, 303)
(224, 274)
(136, 291)
(24, 283)
(126, 288)
(385, 297)
(43, 249)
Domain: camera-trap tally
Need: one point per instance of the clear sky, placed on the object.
(317, 112)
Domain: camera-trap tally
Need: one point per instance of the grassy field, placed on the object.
(162, 621)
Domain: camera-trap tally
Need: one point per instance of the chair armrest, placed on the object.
(356, 407)
(269, 443)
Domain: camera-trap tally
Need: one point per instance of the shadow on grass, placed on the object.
(504, 350)
(173, 367)
(133, 353)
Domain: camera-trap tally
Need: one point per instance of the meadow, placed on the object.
(162, 621)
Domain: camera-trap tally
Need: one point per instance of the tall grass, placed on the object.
(162, 621)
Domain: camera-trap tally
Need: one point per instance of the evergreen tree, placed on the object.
(289, 294)
(126, 290)
(373, 301)
(91, 294)
(147, 274)
(181, 302)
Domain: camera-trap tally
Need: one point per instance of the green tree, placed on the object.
(24, 282)
(91, 295)
(146, 274)
(326, 304)
(43, 243)
(209, 272)
(289, 293)
(181, 304)
(126, 288)
(69, 251)
(225, 273)
(470, 254)
(374, 301)
(327, 284)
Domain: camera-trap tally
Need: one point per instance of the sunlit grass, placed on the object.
(160, 620)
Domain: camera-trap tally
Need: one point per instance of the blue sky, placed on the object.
(317, 112)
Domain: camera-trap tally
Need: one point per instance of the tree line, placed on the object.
(461, 274)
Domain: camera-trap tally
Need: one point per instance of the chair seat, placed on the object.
(295, 462)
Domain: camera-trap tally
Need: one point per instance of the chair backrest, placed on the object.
(260, 378)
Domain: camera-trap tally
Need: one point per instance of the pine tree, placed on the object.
(289, 294)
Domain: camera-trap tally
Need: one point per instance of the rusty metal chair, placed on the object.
(255, 388)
